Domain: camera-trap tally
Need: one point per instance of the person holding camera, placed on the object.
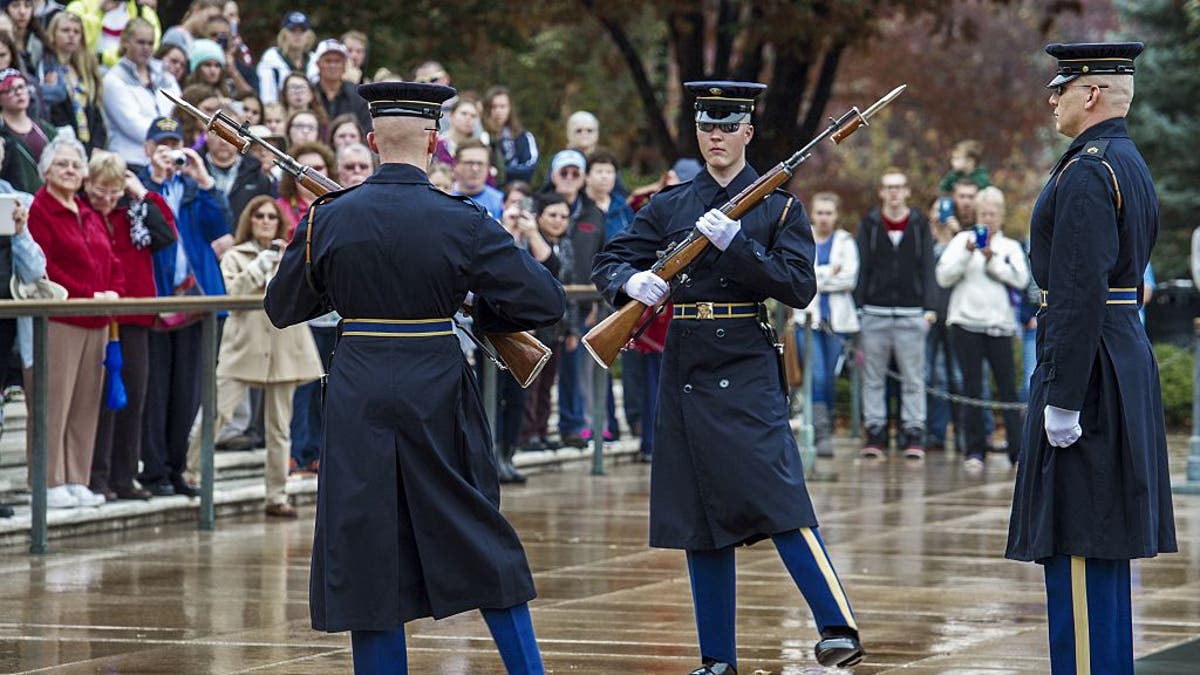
(131, 92)
(980, 265)
(187, 267)
(255, 353)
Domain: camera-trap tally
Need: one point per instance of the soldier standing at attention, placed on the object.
(408, 521)
(726, 470)
(1092, 487)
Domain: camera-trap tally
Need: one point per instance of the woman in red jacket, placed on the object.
(79, 256)
(119, 433)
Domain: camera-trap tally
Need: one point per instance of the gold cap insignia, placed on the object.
(168, 124)
(1093, 150)
(715, 91)
(1086, 69)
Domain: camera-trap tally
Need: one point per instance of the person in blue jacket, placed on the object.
(1092, 488)
(726, 470)
(408, 520)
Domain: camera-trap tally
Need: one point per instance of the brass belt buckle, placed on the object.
(704, 310)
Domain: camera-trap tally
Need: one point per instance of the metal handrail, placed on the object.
(209, 306)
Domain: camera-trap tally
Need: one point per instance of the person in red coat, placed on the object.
(125, 206)
(79, 256)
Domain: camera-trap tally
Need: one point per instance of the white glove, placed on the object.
(719, 229)
(1062, 426)
(647, 288)
(266, 260)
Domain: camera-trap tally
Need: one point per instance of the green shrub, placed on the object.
(1176, 368)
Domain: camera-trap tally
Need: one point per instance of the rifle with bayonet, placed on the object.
(606, 339)
(520, 353)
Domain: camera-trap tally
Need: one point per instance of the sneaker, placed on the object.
(876, 445)
(84, 496)
(973, 465)
(914, 447)
(60, 498)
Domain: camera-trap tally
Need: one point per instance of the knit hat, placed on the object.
(205, 50)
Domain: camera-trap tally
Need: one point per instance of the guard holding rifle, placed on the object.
(408, 523)
(726, 470)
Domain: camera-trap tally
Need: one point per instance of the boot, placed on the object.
(840, 650)
(823, 429)
(509, 474)
(502, 467)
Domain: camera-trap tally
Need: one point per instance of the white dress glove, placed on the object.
(1062, 426)
(719, 229)
(647, 288)
(266, 260)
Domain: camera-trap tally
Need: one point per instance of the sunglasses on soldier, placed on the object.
(725, 127)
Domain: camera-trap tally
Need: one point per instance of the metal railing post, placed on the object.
(808, 449)
(38, 536)
(855, 390)
(1192, 486)
(208, 417)
(490, 384)
(599, 400)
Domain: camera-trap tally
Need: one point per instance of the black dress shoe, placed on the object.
(182, 487)
(714, 668)
(161, 490)
(135, 494)
(842, 651)
(551, 445)
(514, 475)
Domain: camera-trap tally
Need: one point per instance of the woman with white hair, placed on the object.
(983, 267)
(79, 256)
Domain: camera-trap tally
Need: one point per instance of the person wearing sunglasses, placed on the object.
(1093, 490)
(726, 470)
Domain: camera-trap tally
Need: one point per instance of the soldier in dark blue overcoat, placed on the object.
(726, 470)
(1092, 487)
(408, 521)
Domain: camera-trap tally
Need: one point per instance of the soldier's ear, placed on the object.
(371, 142)
(749, 133)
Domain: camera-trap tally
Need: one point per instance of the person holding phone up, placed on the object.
(980, 265)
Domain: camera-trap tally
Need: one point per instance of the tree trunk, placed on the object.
(814, 117)
(651, 106)
(775, 128)
(686, 31)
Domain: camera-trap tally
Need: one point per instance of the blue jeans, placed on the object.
(308, 419)
(941, 372)
(1028, 359)
(571, 417)
(825, 359)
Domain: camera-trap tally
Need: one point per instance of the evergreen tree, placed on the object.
(1164, 120)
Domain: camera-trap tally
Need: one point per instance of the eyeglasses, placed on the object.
(361, 166)
(725, 127)
(15, 89)
(893, 186)
(294, 87)
(1062, 88)
(569, 172)
(263, 215)
(67, 164)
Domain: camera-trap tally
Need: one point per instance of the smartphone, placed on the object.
(278, 246)
(981, 236)
(8, 202)
(527, 205)
(945, 209)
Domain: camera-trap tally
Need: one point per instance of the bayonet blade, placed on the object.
(883, 102)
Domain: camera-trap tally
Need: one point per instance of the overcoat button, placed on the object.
(687, 388)
(720, 332)
(724, 384)
(724, 282)
(688, 283)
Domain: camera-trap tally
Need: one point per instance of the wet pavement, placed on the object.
(919, 551)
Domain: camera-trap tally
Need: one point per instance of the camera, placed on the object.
(179, 158)
(981, 236)
(945, 209)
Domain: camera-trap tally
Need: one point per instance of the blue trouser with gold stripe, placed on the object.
(714, 591)
(1090, 615)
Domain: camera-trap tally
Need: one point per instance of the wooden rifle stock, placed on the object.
(521, 353)
(606, 339)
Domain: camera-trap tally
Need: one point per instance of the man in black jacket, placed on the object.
(239, 177)
(895, 290)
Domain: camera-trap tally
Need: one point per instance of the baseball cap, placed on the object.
(295, 20)
(8, 76)
(564, 158)
(330, 45)
(164, 128)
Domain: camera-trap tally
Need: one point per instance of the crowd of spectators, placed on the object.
(126, 196)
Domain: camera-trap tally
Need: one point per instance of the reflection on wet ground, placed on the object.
(918, 549)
